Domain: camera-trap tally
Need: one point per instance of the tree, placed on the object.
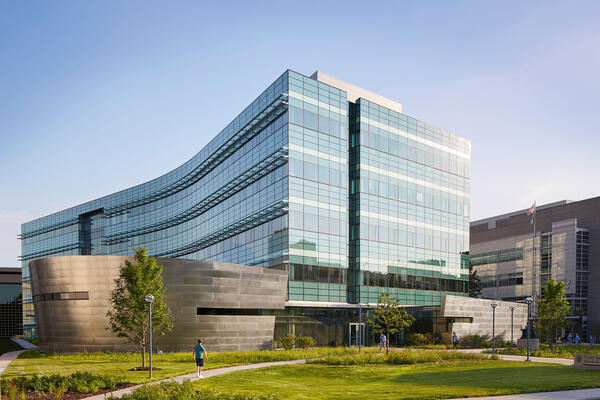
(474, 283)
(389, 317)
(129, 315)
(552, 310)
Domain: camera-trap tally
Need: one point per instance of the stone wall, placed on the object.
(71, 298)
(480, 310)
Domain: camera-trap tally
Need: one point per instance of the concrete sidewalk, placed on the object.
(24, 343)
(550, 360)
(583, 394)
(562, 361)
(192, 377)
(7, 358)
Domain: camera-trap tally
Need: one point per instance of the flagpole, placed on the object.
(534, 266)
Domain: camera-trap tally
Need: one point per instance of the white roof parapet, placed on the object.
(354, 92)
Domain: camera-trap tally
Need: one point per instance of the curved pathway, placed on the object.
(192, 377)
(7, 358)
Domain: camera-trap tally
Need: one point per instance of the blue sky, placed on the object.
(98, 96)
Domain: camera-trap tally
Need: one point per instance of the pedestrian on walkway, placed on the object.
(569, 339)
(382, 342)
(454, 340)
(577, 338)
(199, 356)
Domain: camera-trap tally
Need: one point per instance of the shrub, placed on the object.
(187, 391)
(287, 342)
(416, 339)
(446, 338)
(305, 342)
(475, 341)
(401, 358)
(82, 382)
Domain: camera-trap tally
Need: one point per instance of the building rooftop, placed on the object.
(355, 92)
(523, 211)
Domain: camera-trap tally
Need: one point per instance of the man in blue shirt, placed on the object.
(199, 355)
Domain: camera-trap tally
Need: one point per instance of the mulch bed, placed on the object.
(68, 395)
(144, 369)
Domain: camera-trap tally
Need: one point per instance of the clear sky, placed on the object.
(97, 96)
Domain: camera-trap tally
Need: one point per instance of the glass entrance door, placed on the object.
(356, 334)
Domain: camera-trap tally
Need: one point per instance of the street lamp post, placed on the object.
(528, 300)
(494, 327)
(149, 299)
(512, 312)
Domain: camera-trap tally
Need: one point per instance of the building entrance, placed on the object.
(356, 334)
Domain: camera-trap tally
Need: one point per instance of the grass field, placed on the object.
(426, 381)
(170, 364)
(7, 345)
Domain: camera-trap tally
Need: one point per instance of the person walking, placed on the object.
(199, 356)
(577, 338)
(569, 339)
(454, 340)
(382, 342)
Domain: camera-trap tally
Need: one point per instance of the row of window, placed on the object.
(498, 256)
(501, 280)
(402, 281)
(62, 296)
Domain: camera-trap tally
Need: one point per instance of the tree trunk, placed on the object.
(143, 356)
(387, 343)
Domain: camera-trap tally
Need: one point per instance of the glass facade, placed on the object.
(11, 312)
(409, 208)
(351, 198)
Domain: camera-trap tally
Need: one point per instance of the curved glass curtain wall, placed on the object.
(228, 203)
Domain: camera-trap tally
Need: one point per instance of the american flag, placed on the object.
(531, 211)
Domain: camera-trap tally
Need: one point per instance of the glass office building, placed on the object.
(345, 192)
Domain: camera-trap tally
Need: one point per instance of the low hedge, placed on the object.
(402, 357)
(82, 382)
(187, 391)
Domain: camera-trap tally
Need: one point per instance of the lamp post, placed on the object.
(528, 300)
(149, 299)
(512, 312)
(494, 327)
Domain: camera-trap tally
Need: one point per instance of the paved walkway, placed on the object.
(550, 360)
(584, 394)
(563, 361)
(192, 377)
(24, 343)
(7, 358)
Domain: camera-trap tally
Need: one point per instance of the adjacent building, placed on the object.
(502, 253)
(11, 311)
(316, 177)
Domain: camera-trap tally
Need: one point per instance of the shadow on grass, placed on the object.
(523, 379)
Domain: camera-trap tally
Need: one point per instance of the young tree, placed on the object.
(553, 310)
(129, 315)
(474, 283)
(389, 317)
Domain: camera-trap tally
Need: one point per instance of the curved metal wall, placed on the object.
(71, 297)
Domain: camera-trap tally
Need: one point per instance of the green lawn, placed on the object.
(170, 364)
(427, 381)
(7, 345)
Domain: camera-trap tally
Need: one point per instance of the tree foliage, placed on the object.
(553, 310)
(389, 317)
(128, 317)
(475, 285)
